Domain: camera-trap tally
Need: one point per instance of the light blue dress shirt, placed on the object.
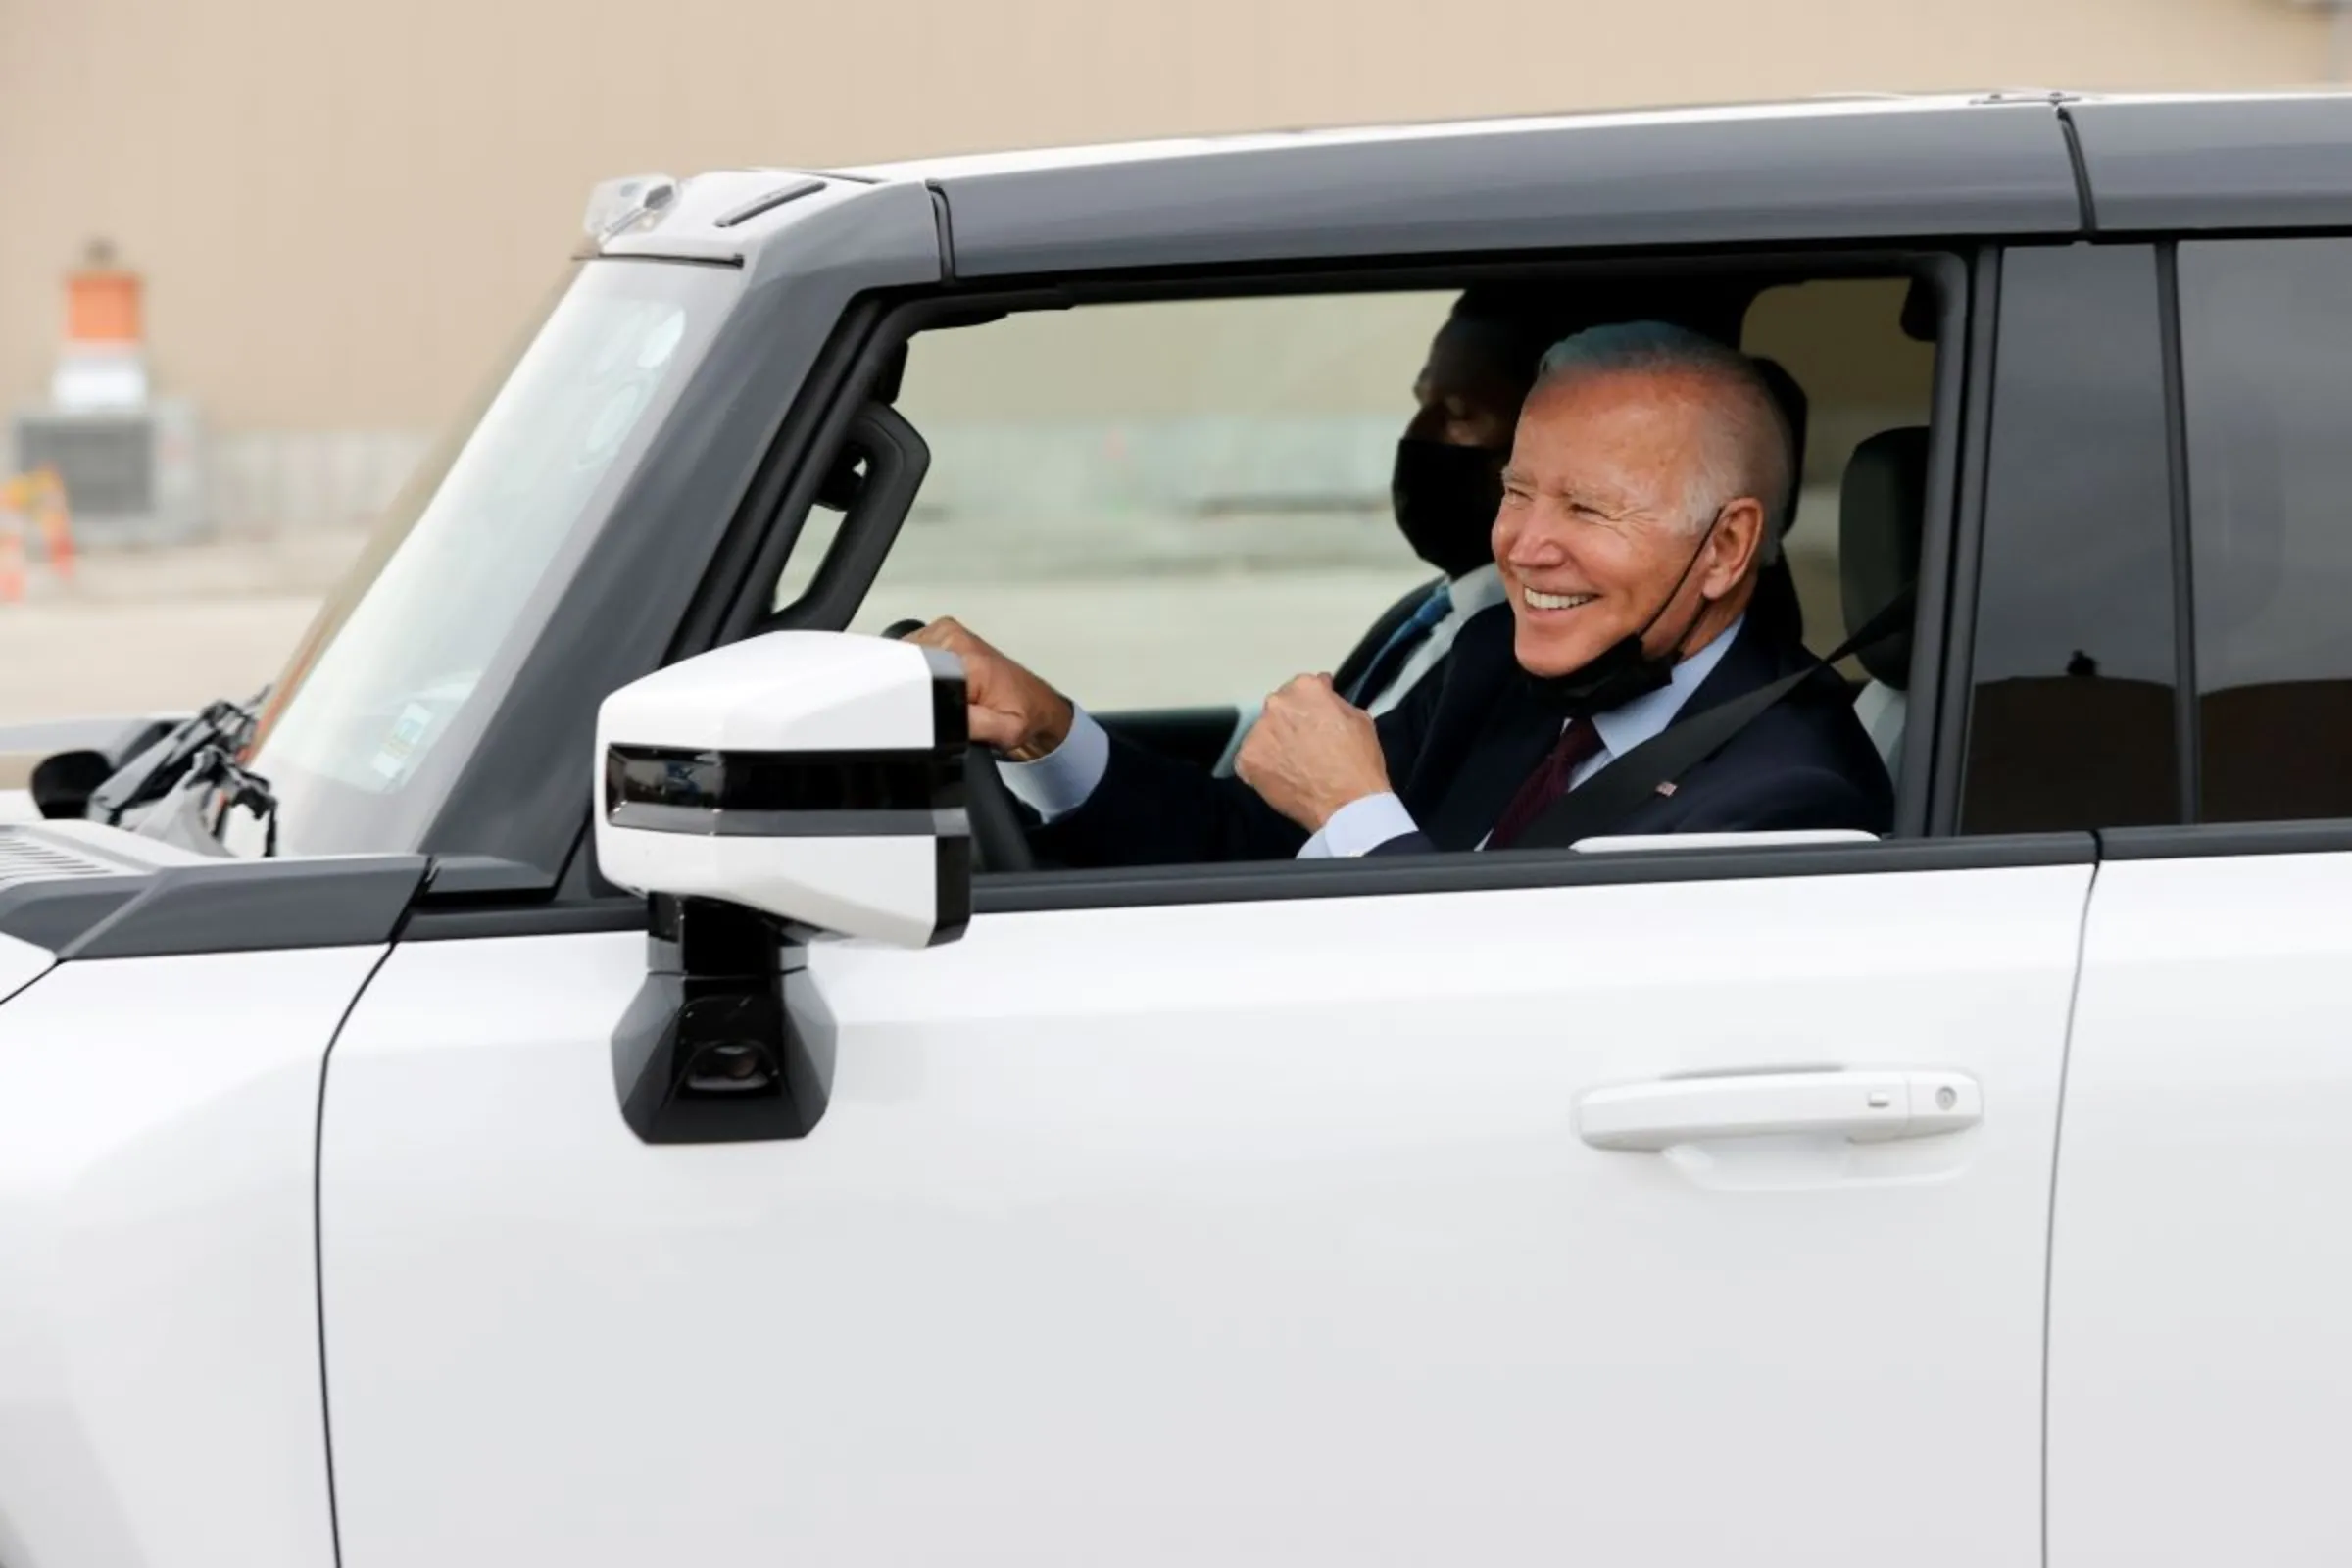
(1060, 782)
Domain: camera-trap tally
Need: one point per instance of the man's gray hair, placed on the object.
(1747, 450)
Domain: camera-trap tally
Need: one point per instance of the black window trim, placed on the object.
(1971, 289)
(2189, 724)
(2226, 840)
(2194, 838)
(1285, 881)
(1946, 769)
(730, 603)
(1957, 718)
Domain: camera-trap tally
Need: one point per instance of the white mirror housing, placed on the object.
(817, 777)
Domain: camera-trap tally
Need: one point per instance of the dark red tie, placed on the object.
(1578, 743)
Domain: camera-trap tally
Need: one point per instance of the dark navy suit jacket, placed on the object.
(1460, 746)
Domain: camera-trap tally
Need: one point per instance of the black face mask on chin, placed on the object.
(1445, 498)
(1626, 668)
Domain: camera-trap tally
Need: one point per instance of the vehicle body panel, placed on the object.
(1252, 1232)
(20, 965)
(2199, 1360)
(161, 1401)
(2218, 163)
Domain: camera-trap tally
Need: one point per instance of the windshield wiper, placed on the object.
(218, 768)
(200, 751)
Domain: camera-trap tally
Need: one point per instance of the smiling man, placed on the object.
(1650, 467)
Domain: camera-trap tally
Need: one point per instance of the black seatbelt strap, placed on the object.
(1652, 768)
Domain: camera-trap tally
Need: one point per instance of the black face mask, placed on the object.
(1626, 668)
(1446, 498)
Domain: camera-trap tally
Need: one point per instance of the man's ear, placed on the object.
(1735, 549)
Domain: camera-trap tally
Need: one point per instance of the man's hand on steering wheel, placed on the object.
(1012, 710)
(1003, 705)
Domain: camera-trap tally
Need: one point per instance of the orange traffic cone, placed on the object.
(12, 558)
(57, 525)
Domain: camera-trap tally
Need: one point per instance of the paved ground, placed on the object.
(1185, 639)
(166, 629)
(171, 629)
(62, 660)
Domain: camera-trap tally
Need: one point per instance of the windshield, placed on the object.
(379, 703)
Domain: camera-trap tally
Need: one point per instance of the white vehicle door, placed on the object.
(2199, 1365)
(1284, 1218)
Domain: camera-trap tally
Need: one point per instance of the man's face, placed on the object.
(1463, 396)
(1597, 526)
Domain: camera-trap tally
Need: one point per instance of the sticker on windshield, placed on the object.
(402, 743)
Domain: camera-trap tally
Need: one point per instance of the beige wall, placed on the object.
(340, 207)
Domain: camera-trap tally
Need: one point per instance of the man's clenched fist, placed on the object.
(1312, 751)
(1009, 707)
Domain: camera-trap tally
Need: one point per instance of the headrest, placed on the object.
(1796, 409)
(1920, 312)
(1880, 511)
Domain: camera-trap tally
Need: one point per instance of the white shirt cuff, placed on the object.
(1060, 782)
(1360, 827)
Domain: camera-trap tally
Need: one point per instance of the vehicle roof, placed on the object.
(1064, 155)
(2017, 164)
(2173, 164)
(1767, 172)
(1088, 154)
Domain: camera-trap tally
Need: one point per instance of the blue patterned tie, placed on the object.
(1400, 645)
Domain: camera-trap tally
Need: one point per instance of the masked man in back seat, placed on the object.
(1648, 471)
(1448, 484)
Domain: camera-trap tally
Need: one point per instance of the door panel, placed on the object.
(2199, 1365)
(1255, 1232)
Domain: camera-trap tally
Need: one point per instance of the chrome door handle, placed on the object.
(1860, 1107)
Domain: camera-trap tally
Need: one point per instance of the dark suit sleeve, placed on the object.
(1405, 844)
(1151, 810)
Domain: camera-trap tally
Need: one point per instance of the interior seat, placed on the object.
(1775, 606)
(1882, 505)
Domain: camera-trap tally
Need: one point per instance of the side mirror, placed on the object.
(814, 777)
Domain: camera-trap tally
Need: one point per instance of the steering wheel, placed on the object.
(999, 843)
